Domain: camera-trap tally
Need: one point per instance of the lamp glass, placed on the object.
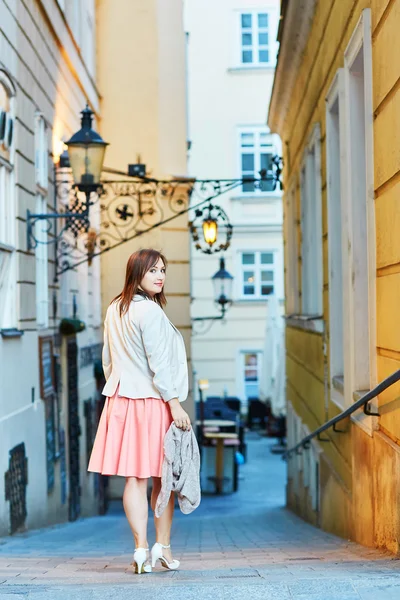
(204, 384)
(222, 288)
(86, 162)
(222, 282)
(210, 231)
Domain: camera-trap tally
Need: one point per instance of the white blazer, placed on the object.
(144, 353)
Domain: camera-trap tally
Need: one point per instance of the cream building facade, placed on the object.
(47, 73)
(56, 56)
(231, 62)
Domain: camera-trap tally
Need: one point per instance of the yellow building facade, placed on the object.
(336, 106)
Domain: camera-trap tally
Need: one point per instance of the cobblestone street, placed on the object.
(241, 546)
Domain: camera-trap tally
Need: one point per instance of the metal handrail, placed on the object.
(362, 402)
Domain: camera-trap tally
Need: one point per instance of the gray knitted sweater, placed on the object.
(180, 470)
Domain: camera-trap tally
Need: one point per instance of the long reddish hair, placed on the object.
(139, 263)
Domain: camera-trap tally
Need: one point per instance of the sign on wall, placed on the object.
(46, 367)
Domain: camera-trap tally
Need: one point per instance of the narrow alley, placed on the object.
(246, 545)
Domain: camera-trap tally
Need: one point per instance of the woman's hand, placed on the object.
(180, 417)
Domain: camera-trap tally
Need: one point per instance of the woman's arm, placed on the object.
(156, 336)
(106, 356)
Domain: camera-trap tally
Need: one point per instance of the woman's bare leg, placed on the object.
(163, 524)
(136, 509)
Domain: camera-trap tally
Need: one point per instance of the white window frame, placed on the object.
(255, 46)
(360, 341)
(336, 153)
(256, 150)
(41, 153)
(292, 252)
(76, 18)
(42, 265)
(311, 227)
(7, 192)
(89, 38)
(41, 250)
(257, 268)
(8, 261)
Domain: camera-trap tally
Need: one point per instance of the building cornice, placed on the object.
(296, 20)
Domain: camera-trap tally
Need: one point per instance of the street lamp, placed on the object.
(222, 283)
(210, 228)
(211, 218)
(86, 150)
(210, 231)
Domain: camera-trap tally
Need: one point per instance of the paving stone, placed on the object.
(380, 593)
(257, 592)
(244, 545)
(376, 582)
(330, 596)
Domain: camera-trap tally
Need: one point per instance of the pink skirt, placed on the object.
(130, 437)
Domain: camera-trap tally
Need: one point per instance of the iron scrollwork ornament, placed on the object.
(122, 209)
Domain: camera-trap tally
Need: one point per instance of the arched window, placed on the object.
(8, 314)
(7, 135)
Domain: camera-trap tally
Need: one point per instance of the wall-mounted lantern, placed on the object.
(86, 151)
(222, 282)
(85, 156)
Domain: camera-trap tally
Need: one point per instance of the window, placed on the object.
(257, 274)
(41, 251)
(41, 152)
(335, 154)
(41, 254)
(76, 20)
(311, 227)
(256, 153)
(8, 294)
(88, 40)
(360, 265)
(292, 251)
(251, 369)
(7, 209)
(257, 39)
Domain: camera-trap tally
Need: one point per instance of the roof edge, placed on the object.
(294, 29)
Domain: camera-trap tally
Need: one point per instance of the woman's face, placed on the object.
(153, 281)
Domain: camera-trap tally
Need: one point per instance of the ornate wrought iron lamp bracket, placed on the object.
(131, 207)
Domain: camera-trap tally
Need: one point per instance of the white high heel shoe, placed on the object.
(157, 554)
(139, 558)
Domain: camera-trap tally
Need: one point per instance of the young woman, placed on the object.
(144, 362)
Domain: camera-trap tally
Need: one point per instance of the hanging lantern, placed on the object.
(210, 231)
(212, 219)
